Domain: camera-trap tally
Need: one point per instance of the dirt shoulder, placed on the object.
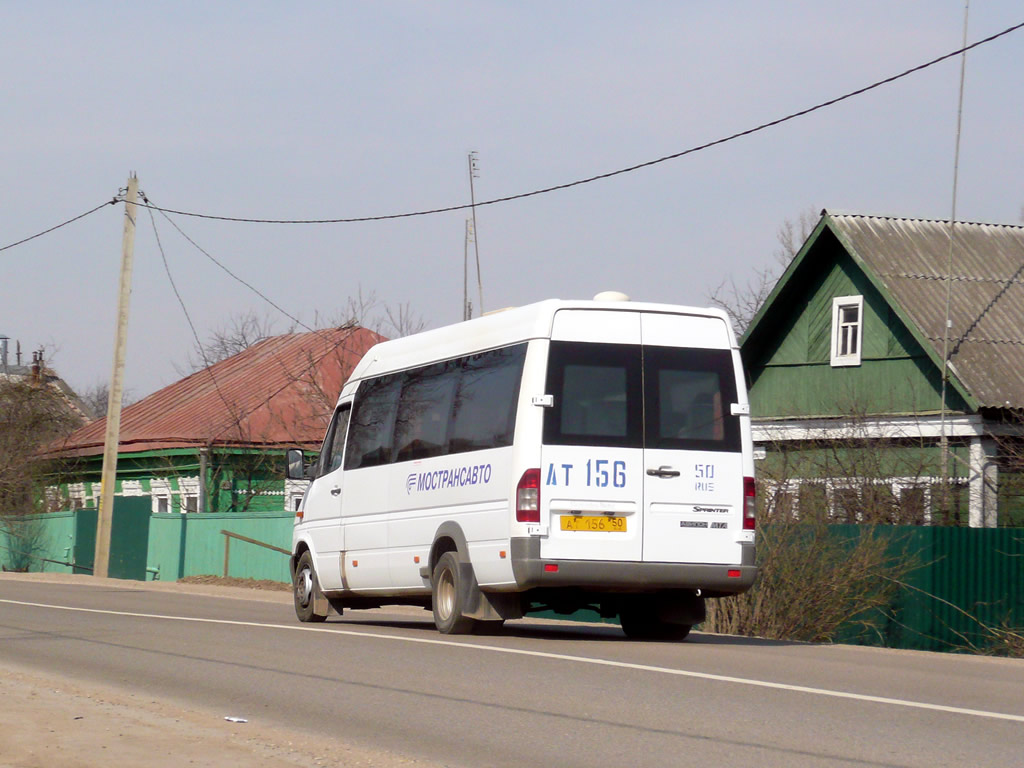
(54, 721)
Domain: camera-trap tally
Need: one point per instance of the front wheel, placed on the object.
(306, 589)
(449, 593)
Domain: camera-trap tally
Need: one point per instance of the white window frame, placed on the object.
(841, 331)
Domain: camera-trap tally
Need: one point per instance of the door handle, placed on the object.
(335, 491)
(663, 471)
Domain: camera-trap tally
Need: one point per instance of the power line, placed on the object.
(619, 172)
(113, 201)
(188, 319)
(238, 415)
(545, 190)
(235, 277)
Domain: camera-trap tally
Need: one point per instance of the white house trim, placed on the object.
(872, 429)
(847, 330)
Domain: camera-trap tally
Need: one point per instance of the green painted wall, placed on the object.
(1011, 499)
(237, 480)
(877, 459)
(788, 360)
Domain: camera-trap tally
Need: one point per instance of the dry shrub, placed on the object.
(814, 582)
(1006, 641)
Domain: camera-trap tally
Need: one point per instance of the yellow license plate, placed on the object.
(600, 523)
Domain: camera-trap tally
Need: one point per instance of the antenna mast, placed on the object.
(474, 173)
(467, 305)
(943, 437)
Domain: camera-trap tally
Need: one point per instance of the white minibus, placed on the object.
(554, 457)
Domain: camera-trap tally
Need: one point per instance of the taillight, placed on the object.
(749, 503)
(528, 497)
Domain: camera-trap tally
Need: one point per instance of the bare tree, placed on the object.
(367, 311)
(238, 333)
(243, 330)
(742, 299)
(97, 398)
(250, 475)
(32, 414)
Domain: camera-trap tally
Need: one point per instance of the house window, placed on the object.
(191, 504)
(847, 329)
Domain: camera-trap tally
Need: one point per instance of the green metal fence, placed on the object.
(38, 542)
(969, 586)
(160, 546)
(190, 545)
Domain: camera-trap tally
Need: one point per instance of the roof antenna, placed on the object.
(943, 438)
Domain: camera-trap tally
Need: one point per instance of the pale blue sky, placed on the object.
(331, 110)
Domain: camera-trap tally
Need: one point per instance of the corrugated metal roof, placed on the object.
(986, 287)
(278, 392)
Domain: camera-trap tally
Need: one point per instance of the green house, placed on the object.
(886, 374)
(215, 441)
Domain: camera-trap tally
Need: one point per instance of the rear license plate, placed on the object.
(599, 523)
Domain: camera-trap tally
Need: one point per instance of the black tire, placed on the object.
(642, 623)
(305, 590)
(448, 595)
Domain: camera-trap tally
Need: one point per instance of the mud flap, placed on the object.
(320, 605)
(487, 606)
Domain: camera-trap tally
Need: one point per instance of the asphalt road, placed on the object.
(538, 694)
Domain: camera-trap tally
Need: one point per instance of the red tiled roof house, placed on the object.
(215, 441)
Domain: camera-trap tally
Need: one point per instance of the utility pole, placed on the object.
(101, 561)
(474, 173)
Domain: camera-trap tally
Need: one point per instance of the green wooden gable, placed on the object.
(787, 348)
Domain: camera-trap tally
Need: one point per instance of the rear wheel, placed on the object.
(306, 589)
(449, 592)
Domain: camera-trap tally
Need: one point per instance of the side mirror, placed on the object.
(296, 464)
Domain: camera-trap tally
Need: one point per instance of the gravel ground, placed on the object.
(50, 722)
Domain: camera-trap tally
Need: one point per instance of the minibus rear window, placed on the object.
(596, 390)
(689, 394)
(620, 395)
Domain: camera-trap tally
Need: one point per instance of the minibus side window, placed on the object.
(372, 423)
(334, 443)
(484, 410)
(421, 427)
(689, 393)
(597, 395)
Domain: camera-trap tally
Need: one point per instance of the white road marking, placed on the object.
(556, 656)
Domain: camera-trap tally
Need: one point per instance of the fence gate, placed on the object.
(129, 538)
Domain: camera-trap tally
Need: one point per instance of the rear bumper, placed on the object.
(532, 571)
